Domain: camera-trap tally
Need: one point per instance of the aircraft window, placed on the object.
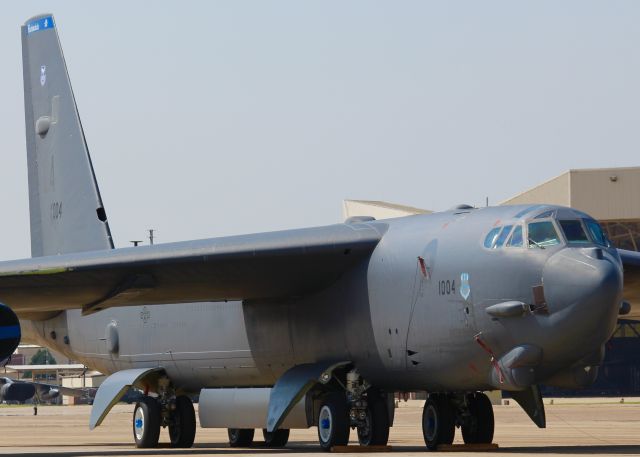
(527, 210)
(545, 214)
(542, 234)
(503, 236)
(516, 238)
(491, 237)
(574, 232)
(596, 232)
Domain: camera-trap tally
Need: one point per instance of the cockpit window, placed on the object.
(516, 238)
(596, 232)
(542, 234)
(545, 214)
(503, 236)
(491, 237)
(574, 232)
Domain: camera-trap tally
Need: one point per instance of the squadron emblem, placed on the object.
(465, 288)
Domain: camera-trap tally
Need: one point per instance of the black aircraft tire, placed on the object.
(377, 432)
(240, 437)
(438, 422)
(481, 426)
(279, 438)
(183, 429)
(146, 423)
(333, 422)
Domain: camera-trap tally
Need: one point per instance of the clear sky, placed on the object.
(217, 118)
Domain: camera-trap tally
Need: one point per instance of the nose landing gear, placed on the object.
(478, 427)
(438, 421)
(471, 412)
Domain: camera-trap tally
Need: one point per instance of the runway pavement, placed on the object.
(572, 429)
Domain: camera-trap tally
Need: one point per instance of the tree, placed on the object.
(42, 357)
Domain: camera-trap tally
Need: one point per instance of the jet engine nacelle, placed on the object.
(9, 332)
(49, 395)
(16, 391)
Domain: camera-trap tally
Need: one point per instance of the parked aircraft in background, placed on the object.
(311, 327)
(22, 390)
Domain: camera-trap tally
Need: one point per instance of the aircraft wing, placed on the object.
(261, 266)
(631, 290)
(43, 389)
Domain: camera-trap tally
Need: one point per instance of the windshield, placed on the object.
(574, 232)
(516, 237)
(596, 232)
(542, 234)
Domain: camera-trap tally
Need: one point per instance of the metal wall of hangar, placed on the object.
(611, 195)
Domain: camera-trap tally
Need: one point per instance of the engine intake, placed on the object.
(9, 332)
(17, 391)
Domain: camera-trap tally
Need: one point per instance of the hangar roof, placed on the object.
(378, 209)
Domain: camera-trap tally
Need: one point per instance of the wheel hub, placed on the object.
(139, 423)
(432, 422)
(325, 423)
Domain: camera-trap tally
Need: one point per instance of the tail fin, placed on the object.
(66, 210)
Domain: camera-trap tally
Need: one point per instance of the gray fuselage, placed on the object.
(410, 317)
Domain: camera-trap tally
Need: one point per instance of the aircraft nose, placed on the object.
(583, 290)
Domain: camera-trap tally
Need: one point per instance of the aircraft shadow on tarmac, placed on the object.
(312, 447)
(575, 450)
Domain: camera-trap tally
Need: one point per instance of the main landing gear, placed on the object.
(167, 410)
(333, 421)
(243, 437)
(471, 412)
(361, 407)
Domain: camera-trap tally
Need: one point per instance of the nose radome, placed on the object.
(584, 289)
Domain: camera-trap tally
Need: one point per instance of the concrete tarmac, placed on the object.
(572, 429)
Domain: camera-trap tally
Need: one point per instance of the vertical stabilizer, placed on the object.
(66, 210)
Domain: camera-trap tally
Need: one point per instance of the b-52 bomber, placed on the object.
(310, 327)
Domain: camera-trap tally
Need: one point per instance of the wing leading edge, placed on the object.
(260, 266)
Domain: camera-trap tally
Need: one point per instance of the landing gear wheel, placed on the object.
(240, 437)
(376, 430)
(278, 438)
(182, 429)
(479, 427)
(146, 423)
(333, 422)
(438, 421)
